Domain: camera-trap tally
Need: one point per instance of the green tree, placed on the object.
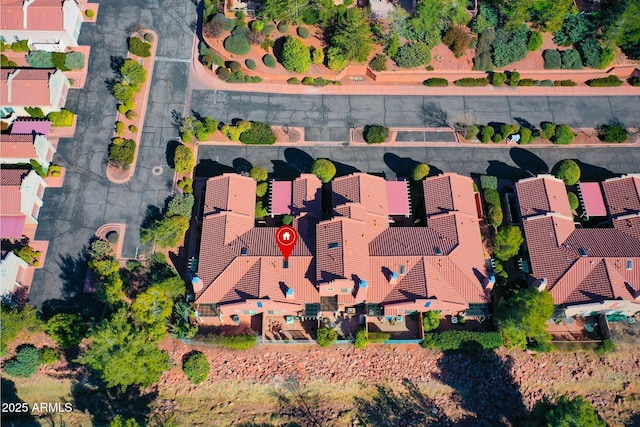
(324, 169)
(431, 320)
(326, 336)
(525, 314)
(281, 10)
(196, 367)
(622, 26)
(133, 73)
(420, 172)
(376, 134)
(120, 421)
(123, 355)
(66, 329)
(181, 325)
(295, 55)
(183, 159)
(518, 12)
(13, 320)
(549, 15)
(261, 189)
(413, 55)
(351, 34)
(151, 310)
(495, 215)
(566, 412)
(62, 118)
(259, 173)
(100, 249)
(110, 289)
(166, 232)
(25, 363)
(507, 243)
(568, 171)
(104, 266)
(181, 204)
(173, 285)
(573, 201)
(336, 60)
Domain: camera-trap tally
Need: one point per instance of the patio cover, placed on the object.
(592, 199)
(281, 197)
(12, 226)
(398, 198)
(41, 127)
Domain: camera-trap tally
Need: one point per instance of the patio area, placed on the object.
(345, 324)
(574, 329)
(400, 327)
(291, 328)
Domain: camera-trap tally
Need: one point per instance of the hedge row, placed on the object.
(462, 340)
(234, 342)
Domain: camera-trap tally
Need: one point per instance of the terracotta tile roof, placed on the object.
(602, 242)
(542, 194)
(368, 190)
(411, 241)
(42, 15)
(17, 146)
(307, 195)
(341, 250)
(30, 126)
(623, 194)
(25, 86)
(449, 192)
(230, 192)
(10, 183)
(629, 224)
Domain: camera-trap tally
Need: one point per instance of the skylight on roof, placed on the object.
(259, 304)
(333, 245)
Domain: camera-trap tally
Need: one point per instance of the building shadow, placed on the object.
(14, 418)
(343, 169)
(483, 385)
(208, 168)
(401, 166)
(528, 161)
(589, 172)
(406, 407)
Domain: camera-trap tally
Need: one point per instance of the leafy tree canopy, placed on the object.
(66, 329)
(568, 171)
(15, 319)
(525, 315)
(507, 243)
(352, 35)
(324, 169)
(295, 55)
(166, 232)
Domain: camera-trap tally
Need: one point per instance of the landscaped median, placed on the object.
(132, 90)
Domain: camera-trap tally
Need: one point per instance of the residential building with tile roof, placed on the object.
(51, 25)
(587, 270)
(29, 87)
(352, 256)
(21, 192)
(22, 148)
(13, 270)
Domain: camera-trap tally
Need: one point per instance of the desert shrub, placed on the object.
(183, 159)
(258, 134)
(610, 81)
(251, 64)
(148, 37)
(268, 29)
(525, 82)
(122, 154)
(568, 171)
(507, 130)
(303, 32)
(325, 337)
(261, 189)
(308, 81)
(471, 132)
(552, 59)
(491, 196)
(510, 47)
(234, 66)
(545, 83)
(293, 81)
(223, 73)
(35, 112)
(131, 114)
(269, 61)
(514, 78)
(457, 38)
(472, 81)
(378, 337)
(573, 200)
(526, 136)
(458, 340)
(565, 83)
(89, 13)
(486, 133)
(112, 237)
(74, 60)
(498, 79)
(133, 128)
(25, 363)
(195, 366)
(564, 135)
(612, 133)
(436, 82)
(535, 41)
(283, 27)
(378, 63)
(324, 169)
(413, 55)
(375, 134)
(548, 130)
(483, 60)
(238, 44)
(287, 220)
(295, 55)
(62, 118)
(606, 346)
(39, 59)
(49, 355)
(260, 210)
(139, 47)
(233, 342)
(571, 60)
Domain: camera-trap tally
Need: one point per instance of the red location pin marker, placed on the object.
(286, 239)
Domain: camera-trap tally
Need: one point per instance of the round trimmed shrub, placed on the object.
(258, 134)
(234, 66)
(293, 81)
(268, 29)
(303, 32)
(131, 115)
(471, 132)
(526, 136)
(378, 63)
(564, 135)
(420, 171)
(133, 128)
(612, 133)
(568, 171)
(269, 61)
(148, 37)
(259, 173)
(238, 44)
(573, 201)
(112, 237)
(496, 138)
(283, 27)
(375, 134)
(224, 73)
(251, 64)
(287, 220)
(486, 134)
(295, 55)
(196, 367)
(491, 196)
(261, 189)
(436, 82)
(89, 13)
(324, 169)
(119, 128)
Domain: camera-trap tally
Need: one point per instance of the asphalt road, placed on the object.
(328, 118)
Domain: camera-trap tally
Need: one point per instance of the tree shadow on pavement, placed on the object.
(484, 385)
(207, 168)
(299, 159)
(528, 161)
(401, 166)
(14, 418)
(408, 407)
(505, 171)
(170, 153)
(284, 170)
(435, 116)
(589, 172)
(105, 404)
(241, 165)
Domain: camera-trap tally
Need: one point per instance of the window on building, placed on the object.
(285, 263)
(629, 264)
